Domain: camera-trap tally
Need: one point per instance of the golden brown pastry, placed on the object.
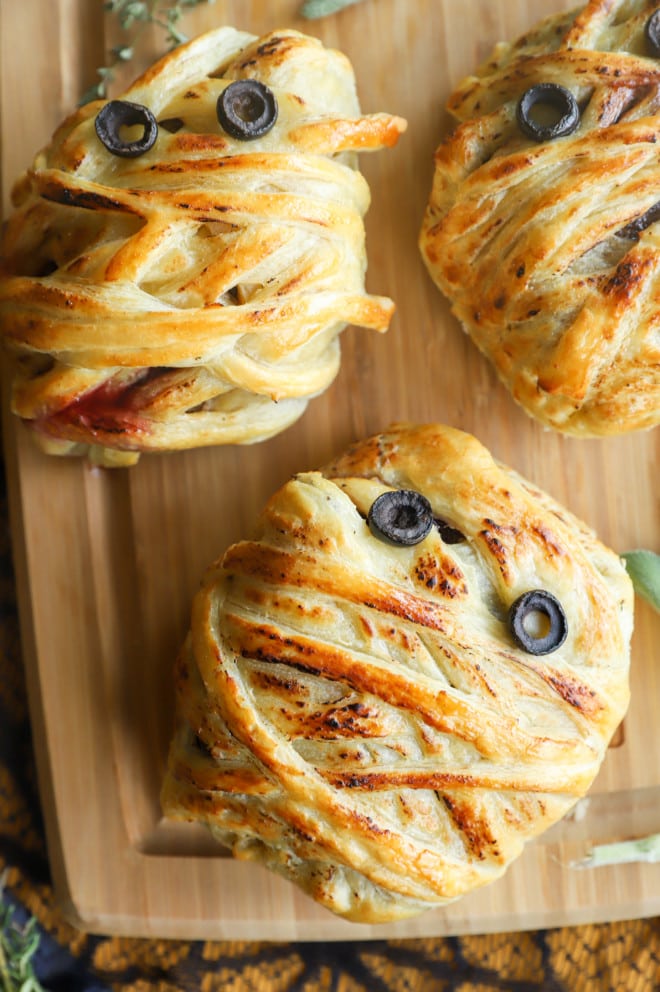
(181, 262)
(387, 723)
(540, 228)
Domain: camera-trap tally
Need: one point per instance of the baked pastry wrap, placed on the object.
(357, 715)
(194, 294)
(548, 250)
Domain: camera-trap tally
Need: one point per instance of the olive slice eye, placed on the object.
(557, 102)
(121, 113)
(402, 516)
(538, 622)
(652, 34)
(246, 109)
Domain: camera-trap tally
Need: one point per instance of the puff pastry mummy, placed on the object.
(357, 716)
(549, 250)
(193, 295)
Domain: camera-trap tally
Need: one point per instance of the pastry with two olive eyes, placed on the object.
(413, 667)
(541, 227)
(181, 261)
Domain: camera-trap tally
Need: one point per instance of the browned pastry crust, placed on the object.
(357, 716)
(548, 251)
(193, 295)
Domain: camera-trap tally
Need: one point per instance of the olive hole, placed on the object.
(536, 624)
(404, 517)
(249, 106)
(545, 115)
(132, 132)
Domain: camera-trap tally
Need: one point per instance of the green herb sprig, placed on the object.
(133, 17)
(18, 946)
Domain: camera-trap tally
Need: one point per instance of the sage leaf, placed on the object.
(644, 570)
(314, 9)
(622, 852)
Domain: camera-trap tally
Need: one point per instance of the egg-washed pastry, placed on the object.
(541, 224)
(181, 261)
(414, 666)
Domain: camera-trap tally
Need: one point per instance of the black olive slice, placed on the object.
(402, 516)
(559, 100)
(632, 231)
(121, 113)
(652, 34)
(538, 601)
(171, 124)
(247, 109)
(449, 534)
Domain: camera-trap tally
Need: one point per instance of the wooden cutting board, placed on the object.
(107, 561)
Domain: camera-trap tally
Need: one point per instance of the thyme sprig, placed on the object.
(133, 17)
(18, 946)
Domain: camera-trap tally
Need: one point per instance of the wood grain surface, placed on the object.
(107, 561)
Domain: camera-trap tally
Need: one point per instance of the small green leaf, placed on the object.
(313, 9)
(644, 570)
(123, 53)
(622, 852)
(137, 9)
(96, 92)
(134, 16)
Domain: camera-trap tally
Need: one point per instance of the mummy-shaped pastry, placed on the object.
(181, 262)
(414, 666)
(541, 224)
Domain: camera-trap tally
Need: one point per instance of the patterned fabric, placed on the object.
(622, 957)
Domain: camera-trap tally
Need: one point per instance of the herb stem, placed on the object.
(18, 946)
(134, 16)
(4, 973)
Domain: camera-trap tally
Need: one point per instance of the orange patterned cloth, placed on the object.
(621, 957)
